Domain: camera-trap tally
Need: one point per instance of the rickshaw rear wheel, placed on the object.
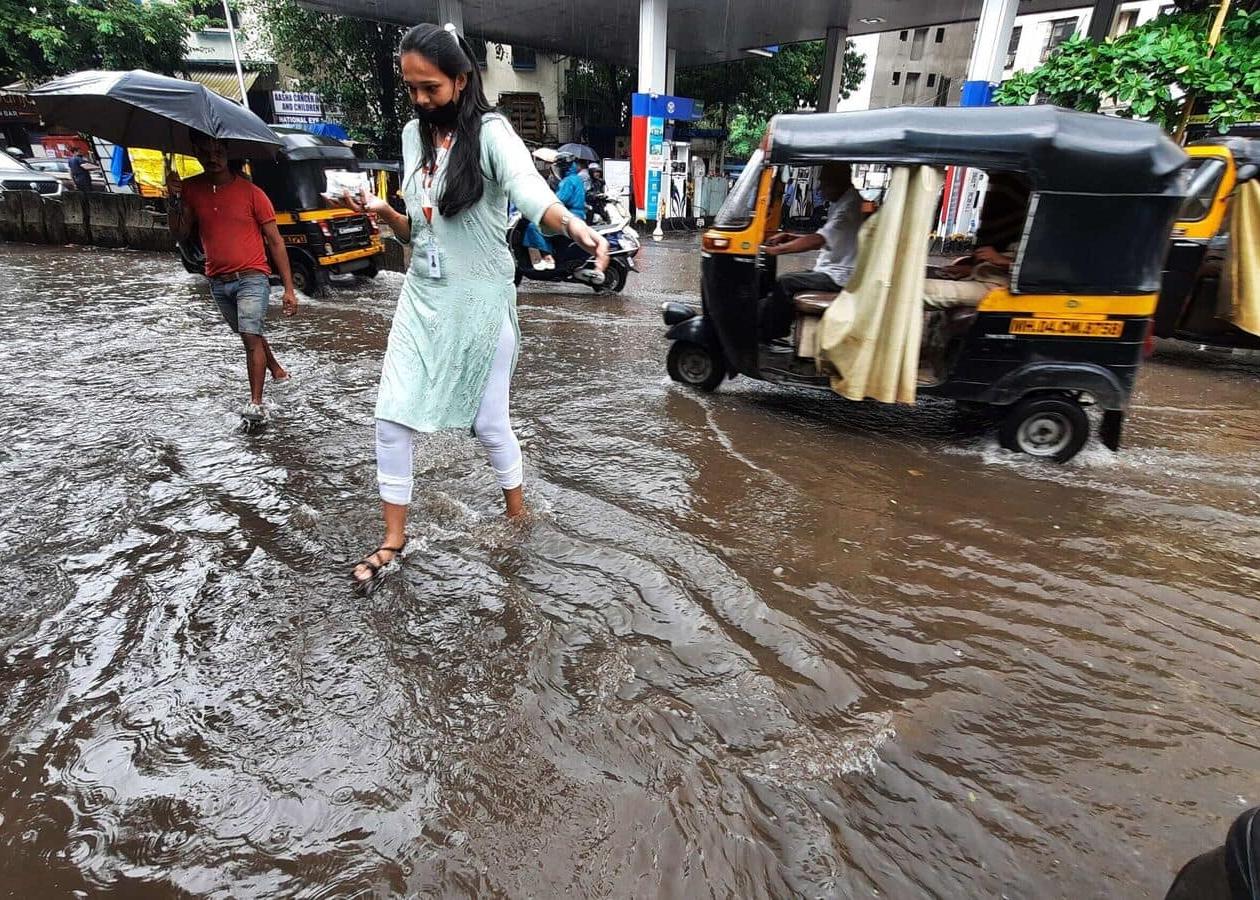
(1053, 428)
(695, 366)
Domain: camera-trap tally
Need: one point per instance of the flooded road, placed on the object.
(760, 643)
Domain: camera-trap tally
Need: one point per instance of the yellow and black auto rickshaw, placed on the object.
(1215, 238)
(1061, 329)
(321, 241)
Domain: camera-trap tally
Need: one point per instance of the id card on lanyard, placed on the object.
(426, 204)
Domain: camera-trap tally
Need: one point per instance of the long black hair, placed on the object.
(462, 184)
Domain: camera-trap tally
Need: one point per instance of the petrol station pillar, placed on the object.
(653, 52)
(833, 69)
(984, 73)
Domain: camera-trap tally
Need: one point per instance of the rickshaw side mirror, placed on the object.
(1246, 172)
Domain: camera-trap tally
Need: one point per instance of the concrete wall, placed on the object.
(912, 66)
(103, 220)
(547, 80)
(1034, 29)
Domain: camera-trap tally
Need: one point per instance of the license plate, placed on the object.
(1068, 327)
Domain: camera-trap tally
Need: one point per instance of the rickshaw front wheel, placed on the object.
(305, 279)
(695, 366)
(1054, 428)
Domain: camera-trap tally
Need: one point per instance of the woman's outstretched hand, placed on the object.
(592, 242)
(361, 201)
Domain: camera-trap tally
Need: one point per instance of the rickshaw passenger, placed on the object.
(1002, 216)
(837, 242)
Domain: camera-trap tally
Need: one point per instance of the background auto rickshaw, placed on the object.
(1066, 332)
(320, 241)
(1199, 300)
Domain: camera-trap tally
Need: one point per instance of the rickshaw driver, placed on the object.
(837, 240)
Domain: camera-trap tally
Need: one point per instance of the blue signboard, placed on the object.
(663, 106)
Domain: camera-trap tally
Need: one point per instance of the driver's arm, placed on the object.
(796, 243)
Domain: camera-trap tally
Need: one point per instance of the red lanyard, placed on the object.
(426, 183)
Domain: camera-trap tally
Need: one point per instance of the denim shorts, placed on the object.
(243, 302)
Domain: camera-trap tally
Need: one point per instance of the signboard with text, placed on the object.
(297, 106)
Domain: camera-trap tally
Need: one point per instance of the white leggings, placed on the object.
(393, 441)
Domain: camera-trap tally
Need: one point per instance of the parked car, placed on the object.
(15, 175)
(55, 165)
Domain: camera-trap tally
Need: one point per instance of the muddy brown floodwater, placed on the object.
(760, 643)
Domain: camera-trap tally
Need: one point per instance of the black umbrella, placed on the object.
(581, 151)
(141, 109)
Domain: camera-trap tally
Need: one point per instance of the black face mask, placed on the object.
(442, 116)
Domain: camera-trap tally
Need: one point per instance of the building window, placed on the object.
(940, 35)
(916, 45)
(896, 78)
(1128, 18)
(213, 10)
(524, 59)
(903, 36)
(1013, 47)
(910, 92)
(479, 49)
(1166, 9)
(1060, 31)
(931, 81)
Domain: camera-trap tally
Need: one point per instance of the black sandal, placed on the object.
(374, 568)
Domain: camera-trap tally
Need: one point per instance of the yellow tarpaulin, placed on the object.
(1242, 261)
(871, 332)
(149, 167)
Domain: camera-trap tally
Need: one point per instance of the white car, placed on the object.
(16, 175)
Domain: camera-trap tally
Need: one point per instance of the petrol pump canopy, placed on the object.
(1060, 150)
(701, 31)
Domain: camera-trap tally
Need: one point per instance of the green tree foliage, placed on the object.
(40, 39)
(1149, 70)
(761, 87)
(742, 95)
(350, 61)
(599, 92)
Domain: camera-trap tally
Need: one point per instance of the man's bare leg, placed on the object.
(255, 365)
(277, 371)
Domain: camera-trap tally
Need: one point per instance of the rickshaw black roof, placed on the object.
(1244, 150)
(1060, 149)
(297, 144)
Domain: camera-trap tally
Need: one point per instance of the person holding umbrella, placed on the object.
(453, 344)
(237, 225)
(236, 220)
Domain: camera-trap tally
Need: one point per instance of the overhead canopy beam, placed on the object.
(701, 31)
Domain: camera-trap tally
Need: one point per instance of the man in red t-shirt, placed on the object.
(237, 225)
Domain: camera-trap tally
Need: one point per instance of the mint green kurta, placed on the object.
(446, 329)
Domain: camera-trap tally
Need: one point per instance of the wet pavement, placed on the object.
(757, 643)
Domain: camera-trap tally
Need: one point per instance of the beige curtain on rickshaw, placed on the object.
(871, 333)
(1241, 284)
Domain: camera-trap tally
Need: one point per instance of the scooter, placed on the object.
(574, 264)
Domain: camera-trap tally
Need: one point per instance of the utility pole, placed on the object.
(236, 56)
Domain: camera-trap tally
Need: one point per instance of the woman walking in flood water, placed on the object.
(453, 344)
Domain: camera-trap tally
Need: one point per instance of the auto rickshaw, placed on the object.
(321, 242)
(1066, 332)
(1198, 301)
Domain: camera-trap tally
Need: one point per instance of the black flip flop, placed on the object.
(364, 584)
